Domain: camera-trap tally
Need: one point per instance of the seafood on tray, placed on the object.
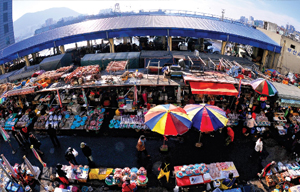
(91, 71)
(64, 69)
(116, 66)
(52, 75)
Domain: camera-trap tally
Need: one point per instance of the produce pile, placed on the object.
(116, 66)
(136, 175)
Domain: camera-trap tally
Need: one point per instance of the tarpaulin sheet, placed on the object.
(213, 88)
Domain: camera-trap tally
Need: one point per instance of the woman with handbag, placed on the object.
(36, 143)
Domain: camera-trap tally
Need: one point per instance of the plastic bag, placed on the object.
(75, 153)
(208, 187)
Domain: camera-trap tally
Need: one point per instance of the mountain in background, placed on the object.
(25, 26)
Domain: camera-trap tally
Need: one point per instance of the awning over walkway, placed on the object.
(213, 88)
(290, 102)
(287, 91)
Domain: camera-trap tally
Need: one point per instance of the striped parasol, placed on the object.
(206, 118)
(263, 87)
(8, 166)
(4, 134)
(168, 120)
(37, 156)
(30, 167)
(84, 97)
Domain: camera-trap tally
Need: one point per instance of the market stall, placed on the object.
(233, 119)
(76, 173)
(118, 176)
(123, 120)
(201, 173)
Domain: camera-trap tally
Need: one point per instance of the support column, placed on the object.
(271, 63)
(264, 58)
(53, 50)
(223, 47)
(201, 43)
(88, 43)
(76, 46)
(33, 56)
(112, 45)
(27, 61)
(277, 61)
(125, 40)
(2, 69)
(169, 43)
(164, 42)
(62, 49)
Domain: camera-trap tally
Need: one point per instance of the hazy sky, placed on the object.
(277, 11)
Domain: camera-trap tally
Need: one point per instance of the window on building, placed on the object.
(5, 17)
(7, 40)
(5, 28)
(5, 6)
(293, 46)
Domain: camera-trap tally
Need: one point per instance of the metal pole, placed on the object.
(158, 72)
(148, 68)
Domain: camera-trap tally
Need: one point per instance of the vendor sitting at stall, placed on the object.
(227, 183)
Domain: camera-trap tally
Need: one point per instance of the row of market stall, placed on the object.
(78, 99)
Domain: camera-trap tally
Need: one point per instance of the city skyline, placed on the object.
(279, 12)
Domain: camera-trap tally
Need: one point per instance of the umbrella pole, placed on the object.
(13, 151)
(199, 144)
(199, 136)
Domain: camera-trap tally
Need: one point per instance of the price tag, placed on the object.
(196, 180)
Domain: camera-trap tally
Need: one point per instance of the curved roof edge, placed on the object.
(139, 26)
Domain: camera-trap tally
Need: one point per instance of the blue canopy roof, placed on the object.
(140, 25)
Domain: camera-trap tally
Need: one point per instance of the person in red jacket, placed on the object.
(128, 187)
(230, 137)
(266, 170)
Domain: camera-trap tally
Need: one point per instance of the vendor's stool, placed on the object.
(164, 148)
(199, 144)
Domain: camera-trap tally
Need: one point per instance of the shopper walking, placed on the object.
(52, 134)
(86, 150)
(230, 137)
(70, 155)
(36, 143)
(258, 148)
(25, 133)
(250, 124)
(141, 147)
(266, 170)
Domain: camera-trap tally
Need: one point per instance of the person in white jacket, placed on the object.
(258, 147)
